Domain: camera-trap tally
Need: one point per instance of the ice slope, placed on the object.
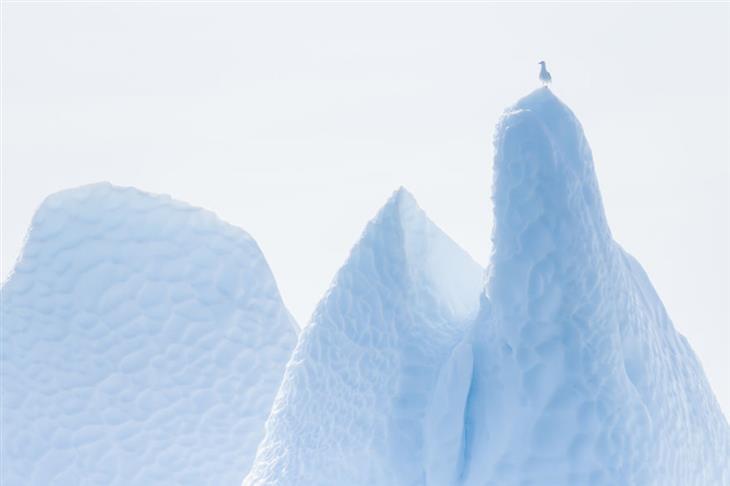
(358, 404)
(143, 342)
(579, 376)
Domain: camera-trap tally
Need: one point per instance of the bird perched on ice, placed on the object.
(545, 75)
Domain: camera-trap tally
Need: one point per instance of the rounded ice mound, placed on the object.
(375, 391)
(579, 377)
(143, 341)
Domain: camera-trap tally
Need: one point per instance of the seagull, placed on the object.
(545, 75)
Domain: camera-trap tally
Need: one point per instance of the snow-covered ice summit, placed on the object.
(143, 341)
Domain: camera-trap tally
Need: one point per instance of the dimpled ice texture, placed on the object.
(363, 401)
(143, 341)
(580, 377)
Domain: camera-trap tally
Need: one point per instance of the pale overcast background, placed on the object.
(297, 122)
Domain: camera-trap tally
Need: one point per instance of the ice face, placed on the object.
(376, 387)
(579, 376)
(143, 342)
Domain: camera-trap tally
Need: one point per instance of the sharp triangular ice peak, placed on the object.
(362, 401)
(143, 341)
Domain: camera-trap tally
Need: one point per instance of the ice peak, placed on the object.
(400, 202)
(402, 192)
(398, 215)
(544, 179)
(358, 392)
(554, 117)
(113, 211)
(540, 98)
(97, 198)
(543, 108)
(402, 241)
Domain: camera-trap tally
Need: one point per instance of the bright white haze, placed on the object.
(297, 122)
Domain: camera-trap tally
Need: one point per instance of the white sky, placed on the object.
(297, 122)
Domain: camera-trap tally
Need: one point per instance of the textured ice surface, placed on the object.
(143, 342)
(366, 399)
(580, 377)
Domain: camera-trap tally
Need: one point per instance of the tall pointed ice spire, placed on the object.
(580, 377)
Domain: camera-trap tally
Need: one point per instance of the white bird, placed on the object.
(544, 74)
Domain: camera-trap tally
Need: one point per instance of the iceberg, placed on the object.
(143, 342)
(366, 397)
(579, 375)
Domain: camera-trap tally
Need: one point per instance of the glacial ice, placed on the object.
(364, 400)
(569, 374)
(143, 341)
(579, 376)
